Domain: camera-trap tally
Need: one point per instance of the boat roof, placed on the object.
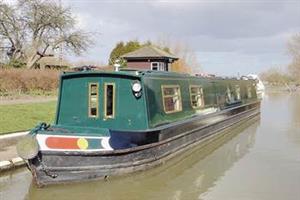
(141, 73)
(130, 72)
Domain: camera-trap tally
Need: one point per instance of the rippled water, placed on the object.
(259, 159)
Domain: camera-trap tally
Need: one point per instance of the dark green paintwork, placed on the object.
(73, 103)
(131, 113)
(211, 89)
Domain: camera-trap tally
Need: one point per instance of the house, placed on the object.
(107, 68)
(150, 58)
(53, 63)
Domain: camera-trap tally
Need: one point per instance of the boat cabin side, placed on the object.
(173, 98)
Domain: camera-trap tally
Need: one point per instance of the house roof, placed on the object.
(149, 52)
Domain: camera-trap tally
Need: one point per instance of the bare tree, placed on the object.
(11, 30)
(276, 76)
(294, 50)
(187, 62)
(37, 28)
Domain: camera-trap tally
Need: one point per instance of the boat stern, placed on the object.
(45, 149)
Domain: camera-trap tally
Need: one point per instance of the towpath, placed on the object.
(8, 145)
(27, 100)
(8, 154)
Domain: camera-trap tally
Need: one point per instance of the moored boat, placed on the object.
(112, 123)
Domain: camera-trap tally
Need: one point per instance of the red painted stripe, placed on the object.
(62, 143)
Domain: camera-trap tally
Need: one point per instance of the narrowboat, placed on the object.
(114, 123)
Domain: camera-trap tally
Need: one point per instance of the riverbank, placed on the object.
(281, 88)
(23, 116)
(9, 158)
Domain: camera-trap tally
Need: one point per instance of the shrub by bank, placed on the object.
(28, 82)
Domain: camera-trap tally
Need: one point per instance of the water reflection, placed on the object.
(294, 128)
(295, 108)
(14, 185)
(281, 115)
(271, 170)
(185, 177)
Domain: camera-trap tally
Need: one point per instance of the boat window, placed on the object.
(249, 92)
(171, 98)
(196, 95)
(229, 96)
(238, 92)
(109, 100)
(93, 99)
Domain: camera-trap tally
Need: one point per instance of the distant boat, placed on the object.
(113, 123)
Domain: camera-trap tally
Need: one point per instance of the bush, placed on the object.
(28, 81)
(16, 64)
(275, 76)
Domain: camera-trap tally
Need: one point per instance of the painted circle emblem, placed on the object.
(82, 143)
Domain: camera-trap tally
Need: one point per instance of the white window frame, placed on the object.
(162, 66)
(238, 92)
(158, 66)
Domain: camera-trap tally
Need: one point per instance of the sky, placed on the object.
(228, 37)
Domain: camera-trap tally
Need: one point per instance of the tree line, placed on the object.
(290, 73)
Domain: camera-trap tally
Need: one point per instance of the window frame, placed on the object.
(105, 100)
(164, 96)
(202, 96)
(162, 66)
(237, 91)
(97, 100)
(229, 98)
(249, 91)
(158, 66)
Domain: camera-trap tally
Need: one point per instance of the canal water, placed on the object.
(258, 160)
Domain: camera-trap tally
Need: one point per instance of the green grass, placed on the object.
(20, 117)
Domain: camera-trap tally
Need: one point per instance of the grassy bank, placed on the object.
(19, 117)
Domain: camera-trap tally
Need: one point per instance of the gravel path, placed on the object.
(27, 100)
(8, 145)
(8, 152)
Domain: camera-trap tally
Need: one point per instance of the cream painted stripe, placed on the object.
(42, 143)
(105, 143)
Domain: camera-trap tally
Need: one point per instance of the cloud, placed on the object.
(244, 28)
